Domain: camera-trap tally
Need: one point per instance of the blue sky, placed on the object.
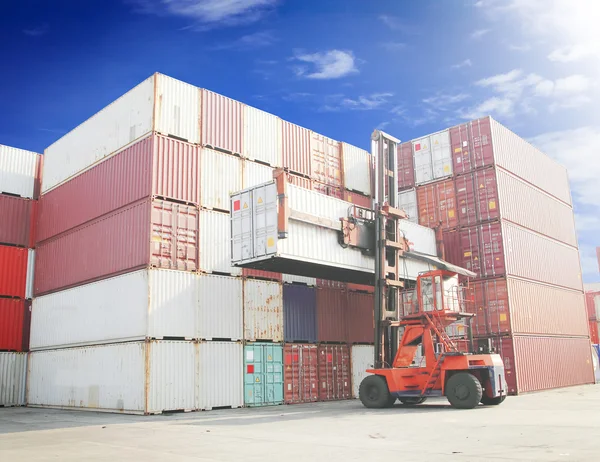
(340, 67)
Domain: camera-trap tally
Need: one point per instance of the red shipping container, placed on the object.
(486, 187)
(478, 306)
(497, 307)
(331, 315)
(13, 271)
(296, 149)
(155, 166)
(466, 200)
(504, 347)
(222, 122)
(17, 216)
(406, 166)
(301, 373)
(15, 321)
(594, 337)
(358, 199)
(492, 250)
(334, 372)
(148, 233)
(360, 288)
(360, 317)
(260, 274)
(320, 188)
(333, 191)
(437, 204)
(472, 145)
(331, 284)
(591, 304)
(462, 247)
(300, 181)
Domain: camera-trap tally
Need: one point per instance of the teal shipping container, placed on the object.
(263, 374)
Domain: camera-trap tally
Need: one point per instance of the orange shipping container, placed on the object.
(437, 204)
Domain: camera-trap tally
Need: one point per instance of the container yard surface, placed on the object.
(556, 425)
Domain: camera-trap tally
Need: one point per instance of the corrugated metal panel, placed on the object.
(519, 157)
(18, 171)
(222, 122)
(359, 317)
(466, 200)
(552, 362)
(486, 194)
(441, 154)
(221, 175)
(220, 380)
(299, 312)
(472, 145)
(492, 250)
(30, 273)
(263, 310)
(419, 237)
(437, 204)
(331, 315)
(296, 148)
(406, 166)
(122, 122)
(263, 374)
(357, 169)
(291, 279)
(13, 374)
(13, 271)
(220, 310)
(462, 247)
(177, 109)
(17, 215)
(535, 257)
(358, 199)
(422, 158)
(335, 375)
(262, 136)
(301, 373)
(300, 181)
(531, 208)
(260, 274)
(255, 174)
(504, 347)
(497, 308)
(215, 243)
(408, 202)
(362, 359)
(542, 309)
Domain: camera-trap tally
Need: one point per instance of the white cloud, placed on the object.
(587, 223)
(335, 103)
(444, 101)
(494, 105)
(332, 64)
(477, 34)
(465, 63)
(589, 261)
(576, 52)
(395, 23)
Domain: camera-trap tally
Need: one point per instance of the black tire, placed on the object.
(492, 401)
(463, 390)
(412, 401)
(374, 393)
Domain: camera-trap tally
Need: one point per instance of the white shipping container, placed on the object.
(220, 307)
(136, 377)
(18, 171)
(420, 238)
(30, 274)
(13, 373)
(408, 202)
(221, 175)
(357, 169)
(159, 103)
(220, 376)
(262, 136)
(215, 243)
(423, 162)
(255, 174)
(441, 154)
(362, 359)
(263, 310)
(290, 279)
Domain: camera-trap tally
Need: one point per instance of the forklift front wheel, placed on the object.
(463, 390)
(412, 401)
(492, 401)
(374, 393)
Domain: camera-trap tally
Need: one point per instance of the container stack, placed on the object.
(506, 214)
(19, 190)
(592, 302)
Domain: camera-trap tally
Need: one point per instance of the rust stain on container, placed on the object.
(263, 310)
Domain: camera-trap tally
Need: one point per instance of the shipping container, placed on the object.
(593, 328)
(263, 374)
(504, 347)
(362, 359)
(255, 174)
(19, 172)
(466, 202)
(220, 379)
(422, 159)
(335, 375)
(221, 176)
(326, 161)
(263, 310)
(477, 197)
(18, 218)
(220, 308)
(420, 238)
(293, 279)
(30, 274)
(13, 271)
(472, 145)
(406, 166)
(133, 378)
(296, 149)
(160, 103)
(359, 317)
(156, 166)
(147, 233)
(332, 315)
(407, 201)
(215, 243)
(262, 137)
(13, 378)
(441, 154)
(300, 181)
(301, 373)
(437, 205)
(492, 250)
(299, 313)
(357, 169)
(222, 122)
(15, 320)
(358, 199)
(259, 274)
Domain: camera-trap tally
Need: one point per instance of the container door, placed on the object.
(241, 227)
(441, 154)
(273, 360)
(265, 220)
(423, 164)
(253, 375)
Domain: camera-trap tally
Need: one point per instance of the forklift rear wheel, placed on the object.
(464, 391)
(492, 401)
(412, 401)
(374, 393)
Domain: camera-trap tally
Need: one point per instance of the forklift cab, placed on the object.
(437, 291)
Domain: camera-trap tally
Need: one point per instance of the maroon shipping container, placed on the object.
(472, 145)
(331, 284)
(437, 204)
(504, 347)
(492, 250)
(155, 166)
(15, 321)
(148, 233)
(359, 317)
(301, 373)
(17, 216)
(594, 334)
(478, 306)
(406, 167)
(334, 372)
(260, 274)
(462, 248)
(486, 195)
(331, 315)
(296, 149)
(358, 199)
(466, 200)
(13, 271)
(222, 122)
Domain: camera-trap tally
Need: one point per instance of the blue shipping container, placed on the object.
(299, 313)
(263, 374)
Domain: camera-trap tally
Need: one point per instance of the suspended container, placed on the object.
(357, 169)
(362, 359)
(215, 243)
(263, 374)
(301, 373)
(358, 199)
(222, 122)
(262, 137)
(335, 373)
(13, 375)
(19, 172)
(263, 310)
(18, 219)
(220, 381)
(221, 176)
(299, 312)
(13, 271)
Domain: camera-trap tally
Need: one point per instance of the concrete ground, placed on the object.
(559, 425)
